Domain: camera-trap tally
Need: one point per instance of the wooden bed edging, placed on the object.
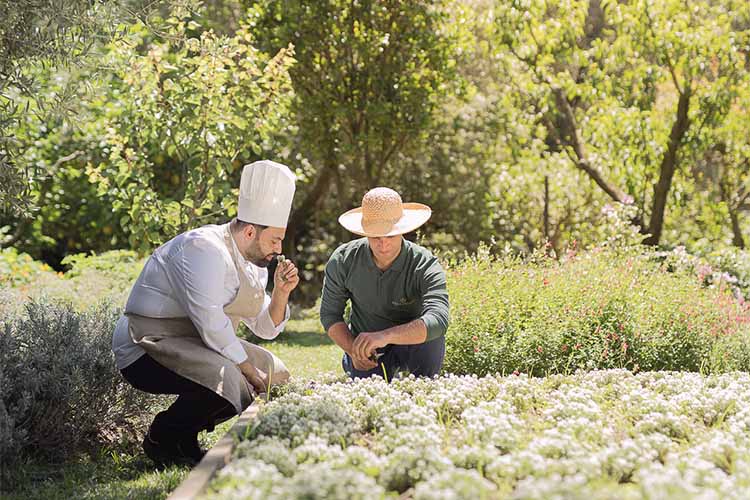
(216, 458)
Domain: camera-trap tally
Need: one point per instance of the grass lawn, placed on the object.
(304, 348)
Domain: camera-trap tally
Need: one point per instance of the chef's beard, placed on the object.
(254, 254)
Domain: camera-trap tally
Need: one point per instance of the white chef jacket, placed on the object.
(193, 275)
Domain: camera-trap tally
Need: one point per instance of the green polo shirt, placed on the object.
(412, 288)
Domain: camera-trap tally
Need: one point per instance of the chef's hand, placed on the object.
(365, 344)
(286, 276)
(255, 377)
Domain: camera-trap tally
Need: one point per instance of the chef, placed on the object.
(178, 334)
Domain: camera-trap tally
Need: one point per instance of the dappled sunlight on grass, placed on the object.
(305, 349)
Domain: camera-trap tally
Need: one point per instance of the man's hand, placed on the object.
(362, 365)
(366, 343)
(256, 377)
(286, 277)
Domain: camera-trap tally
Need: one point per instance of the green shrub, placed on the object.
(89, 280)
(61, 391)
(605, 308)
(93, 278)
(120, 265)
(19, 269)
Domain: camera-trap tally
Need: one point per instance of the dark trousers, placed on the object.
(196, 408)
(421, 360)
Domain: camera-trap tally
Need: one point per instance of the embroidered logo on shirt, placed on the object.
(402, 302)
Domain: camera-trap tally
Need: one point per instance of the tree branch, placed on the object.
(581, 160)
(668, 167)
(670, 65)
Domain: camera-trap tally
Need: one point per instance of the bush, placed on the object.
(93, 278)
(18, 269)
(117, 265)
(735, 262)
(89, 280)
(61, 390)
(606, 308)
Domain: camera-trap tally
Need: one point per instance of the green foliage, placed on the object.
(164, 121)
(722, 174)
(626, 94)
(370, 79)
(31, 32)
(61, 390)
(476, 108)
(605, 308)
(34, 35)
(89, 281)
(117, 265)
(70, 216)
(187, 109)
(17, 269)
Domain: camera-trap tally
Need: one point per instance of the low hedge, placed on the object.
(605, 308)
(87, 281)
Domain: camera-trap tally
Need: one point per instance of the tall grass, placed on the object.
(605, 308)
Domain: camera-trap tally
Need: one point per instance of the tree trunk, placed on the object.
(733, 207)
(595, 22)
(571, 137)
(546, 208)
(668, 167)
(299, 224)
(737, 239)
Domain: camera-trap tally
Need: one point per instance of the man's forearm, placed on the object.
(340, 333)
(277, 307)
(414, 332)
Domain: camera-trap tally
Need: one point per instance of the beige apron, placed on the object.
(176, 344)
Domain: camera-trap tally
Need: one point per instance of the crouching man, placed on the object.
(178, 333)
(397, 289)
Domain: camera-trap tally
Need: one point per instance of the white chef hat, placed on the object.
(266, 192)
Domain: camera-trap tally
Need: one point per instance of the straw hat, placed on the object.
(384, 214)
(266, 193)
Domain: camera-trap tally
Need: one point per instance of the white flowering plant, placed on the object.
(598, 434)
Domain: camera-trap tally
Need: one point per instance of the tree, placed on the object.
(183, 114)
(38, 38)
(625, 89)
(723, 171)
(36, 34)
(369, 78)
(153, 139)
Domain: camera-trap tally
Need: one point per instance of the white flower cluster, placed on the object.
(601, 434)
(296, 417)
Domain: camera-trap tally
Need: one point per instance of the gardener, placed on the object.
(399, 302)
(178, 333)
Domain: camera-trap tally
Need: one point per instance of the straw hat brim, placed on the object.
(414, 215)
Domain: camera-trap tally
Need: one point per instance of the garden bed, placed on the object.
(600, 434)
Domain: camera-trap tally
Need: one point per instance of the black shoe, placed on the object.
(189, 447)
(164, 454)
